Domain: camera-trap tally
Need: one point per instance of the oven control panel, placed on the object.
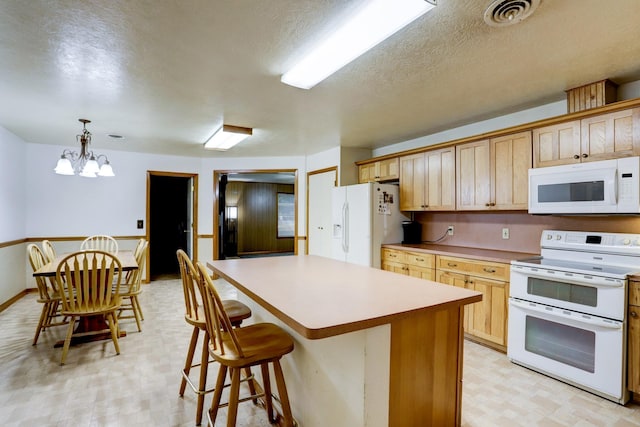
(591, 241)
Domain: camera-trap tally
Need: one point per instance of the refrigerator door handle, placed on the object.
(345, 226)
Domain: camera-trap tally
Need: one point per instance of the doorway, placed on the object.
(171, 222)
(255, 213)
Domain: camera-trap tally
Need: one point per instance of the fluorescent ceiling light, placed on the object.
(227, 136)
(375, 22)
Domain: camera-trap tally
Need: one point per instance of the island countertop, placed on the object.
(320, 297)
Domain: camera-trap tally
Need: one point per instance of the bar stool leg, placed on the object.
(202, 385)
(189, 361)
(217, 394)
(233, 397)
(284, 396)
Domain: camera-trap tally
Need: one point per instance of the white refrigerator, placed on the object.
(365, 216)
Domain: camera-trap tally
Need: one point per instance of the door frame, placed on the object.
(193, 207)
(216, 198)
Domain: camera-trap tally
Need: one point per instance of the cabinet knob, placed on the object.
(420, 259)
(585, 155)
(633, 314)
(575, 156)
(450, 264)
(489, 270)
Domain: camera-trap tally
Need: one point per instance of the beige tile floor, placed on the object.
(139, 387)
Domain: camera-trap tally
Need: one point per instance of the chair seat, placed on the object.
(236, 311)
(115, 305)
(259, 342)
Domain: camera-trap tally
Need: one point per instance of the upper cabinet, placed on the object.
(601, 137)
(381, 170)
(493, 174)
(427, 181)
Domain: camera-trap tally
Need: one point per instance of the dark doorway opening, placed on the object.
(169, 224)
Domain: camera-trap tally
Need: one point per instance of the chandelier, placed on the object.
(85, 163)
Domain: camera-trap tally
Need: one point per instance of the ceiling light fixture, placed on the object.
(378, 20)
(85, 163)
(226, 137)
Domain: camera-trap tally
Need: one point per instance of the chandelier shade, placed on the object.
(84, 163)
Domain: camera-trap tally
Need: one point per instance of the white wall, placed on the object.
(13, 205)
(626, 91)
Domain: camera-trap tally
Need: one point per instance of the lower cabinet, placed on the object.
(633, 344)
(413, 264)
(485, 320)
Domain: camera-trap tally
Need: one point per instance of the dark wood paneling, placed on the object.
(257, 216)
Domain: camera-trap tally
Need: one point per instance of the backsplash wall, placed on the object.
(484, 230)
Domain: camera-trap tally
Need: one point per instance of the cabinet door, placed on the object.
(459, 280)
(633, 348)
(611, 135)
(510, 163)
(488, 318)
(473, 177)
(394, 267)
(387, 169)
(557, 144)
(366, 173)
(412, 180)
(440, 188)
(633, 345)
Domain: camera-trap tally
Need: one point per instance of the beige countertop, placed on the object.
(320, 297)
(463, 252)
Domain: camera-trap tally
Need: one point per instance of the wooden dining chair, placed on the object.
(194, 316)
(48, 295)
(238, 349)
(100, 242)
(131, 288)
(90, 276)
(49, 250)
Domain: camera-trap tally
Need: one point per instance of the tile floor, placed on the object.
(139, 387)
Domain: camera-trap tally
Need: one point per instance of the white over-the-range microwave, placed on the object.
(600, 187)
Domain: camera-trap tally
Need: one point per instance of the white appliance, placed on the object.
(365, 216)
(601, 187)
(567, 309)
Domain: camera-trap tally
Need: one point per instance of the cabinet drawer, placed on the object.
(492, 270)
(420, 260)
(634, 292)
(393, 255)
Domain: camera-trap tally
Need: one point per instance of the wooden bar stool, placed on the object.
(194, 316)
(238, 349)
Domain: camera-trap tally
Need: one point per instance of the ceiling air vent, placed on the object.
(501, 13)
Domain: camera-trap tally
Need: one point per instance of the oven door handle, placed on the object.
(558, 277)
(559, 314)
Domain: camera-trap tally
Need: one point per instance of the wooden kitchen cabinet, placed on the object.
(611, 135)
(382, 170)
(633, 343)
(602, 137)
(487, 319)
(427, 181)
(493, 174)
(557, 144)
(409, 263)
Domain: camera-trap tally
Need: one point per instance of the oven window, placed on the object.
(591, 191)
(563, 343)
(577, 294)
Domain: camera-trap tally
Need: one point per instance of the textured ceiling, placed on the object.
(166, 73)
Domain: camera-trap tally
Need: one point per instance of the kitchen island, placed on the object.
(372, 348)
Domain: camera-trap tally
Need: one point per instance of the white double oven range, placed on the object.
(568, 308)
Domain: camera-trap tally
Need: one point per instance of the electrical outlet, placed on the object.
(139, 223)
(505, 233)
(450, 230)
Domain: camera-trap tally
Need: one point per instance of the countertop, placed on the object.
(463, 252)
(321, 297)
